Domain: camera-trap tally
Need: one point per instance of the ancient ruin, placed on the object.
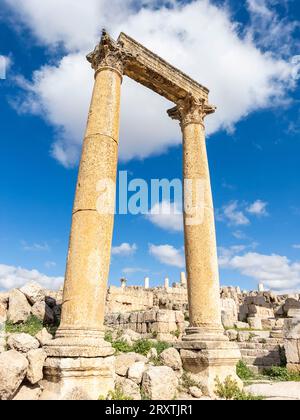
(205, 349)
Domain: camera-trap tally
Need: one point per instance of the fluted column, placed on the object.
(93, 214)
(199, 225)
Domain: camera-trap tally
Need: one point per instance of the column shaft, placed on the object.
(200, 237)
(91, 234)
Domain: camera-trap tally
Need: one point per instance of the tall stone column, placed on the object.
(81, 333)
(205, 349)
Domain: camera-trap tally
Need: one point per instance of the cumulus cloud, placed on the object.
(296, 246)
(277, 272)
(167, 254)
(258, 208)
(167, 216)
(242, 77)
(124, 249)
(233, 215)
(15, 277)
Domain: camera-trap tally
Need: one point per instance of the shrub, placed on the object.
(116, 395)
(229, 390)
(188, 382)
(278, 373)
(243, 372)
(121, 346)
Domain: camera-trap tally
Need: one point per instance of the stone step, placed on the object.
(262, 361)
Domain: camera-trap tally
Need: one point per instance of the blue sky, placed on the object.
(248, 56)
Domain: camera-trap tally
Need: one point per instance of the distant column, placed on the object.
(183, 280)
(261, 287)
(147, 283)
(123, 283)
(167, 283)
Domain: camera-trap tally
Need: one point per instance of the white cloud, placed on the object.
(167, 254)
(167, 216)
(124, 249)
(275, 271)
(258, 208)
(233, 215)
(133, 270)
(296, 246)
(5, 63)
(50, 264)
(241, 77)
(15, 277)
(35, 246)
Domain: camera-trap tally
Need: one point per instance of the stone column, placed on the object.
(147, 283)
(167, 283)
(123, 283)
(183, 281)
(205, 349)
(81, 333)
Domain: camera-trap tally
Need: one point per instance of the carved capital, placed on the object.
(191, 110)
(107, 54)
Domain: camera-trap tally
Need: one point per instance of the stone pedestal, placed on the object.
(78, 378)
(291, 333)
(210, 360)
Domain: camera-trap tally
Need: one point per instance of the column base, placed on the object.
(78, 378)
(208, 360)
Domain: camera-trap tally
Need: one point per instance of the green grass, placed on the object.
(32, 326)
(116, 395)
(229, 390)
(141, 346)
(188, 382)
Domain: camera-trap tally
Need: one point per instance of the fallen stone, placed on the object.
(152, 354)
(43, 337)
(160, 383)
(255, 323)
(136, 371)
(13, 367)
(171, 358)
(232, 335)
(28, 393)
(195, 392)
(36, 360)
(241, 325)
(124, 361)
(22, 342)
(129, 388)
(34, 292)
(19, 309)
(283, 390)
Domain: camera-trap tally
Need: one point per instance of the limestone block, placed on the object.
(292, 329)
(13, 367)
(268, 324)
(255, 323)
(43, 337)
(293, 313)
(241, 325)
(160, 383)
(291, 303)
(28, 393)
(125, 360)
(152, 354)
(136, 371)
(232, 335)
(36, 360)
(171, 358)
(3, 313)
(179, 317)
(261, 312)
(129, 388)
(22, 342)
(34, 292)
(195, 392)
(243, 336)
(19, 309)
(166, 316)
(4, 298)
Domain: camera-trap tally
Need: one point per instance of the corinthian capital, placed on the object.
(191, 110)
(107, 54)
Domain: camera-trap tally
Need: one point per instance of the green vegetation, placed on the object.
(229, 390)
(116, 395)
(176, 333)
(243, 372)
(281, 374)
(32, 326)
(188, 382)
(141, 346)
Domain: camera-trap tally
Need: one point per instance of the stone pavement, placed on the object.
(276, 390)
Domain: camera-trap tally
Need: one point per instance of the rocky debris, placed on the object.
(195, 392)
(160, 383)
(28, 393)
(152, 354)
(43, 337)
(126, 360)
(43, 312)
(171, 358)
(136, 371)
(19, 309)
(255, 323)
(241, 325)
(34, 292)
(13, 367)
(22, 342)
(36, 360)
(129, 388)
